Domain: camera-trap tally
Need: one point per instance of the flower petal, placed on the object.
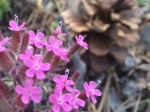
(13, 24)
(75, 92)
(84, 45)
(86, 87)
(69, 88)
(31, 41)
(12, 29)
(36, 98)
(2, 49)
(22, 56)
(93, 99)
(38, 45)
(60, 86)
(56, 51)
(66, 97)
(70, 82)
(52, 40)
(36, 90)
(57, 30)
(28, 83)
(45, 66)
(31, 34)
(40, 74)
(53, 99)
(59, 43)
(81, 102)
(56, 79)
(25, 99)
(22, 26)
(19, 89)
(40, 35)
(81, 37)
(37, 58)
(97, 92)
(66, 107)
(29, 52)
(30, 72)
(28, 62)
(43, 42)
(56, 108)
(75, 105)
(92, 85)
(64, 78)
(88, 94)
(49, 47)
(4, 41)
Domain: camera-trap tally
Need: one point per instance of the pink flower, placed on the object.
(36, 39)
(59, 101)
(81, 42)
(91, 91)
(15, 27)
(36, 67)
(75, 101)
(29, 92)
(58, 32)
(62, 82)
(63, 54)
(2, 43)
(54, 45)
(28, 54)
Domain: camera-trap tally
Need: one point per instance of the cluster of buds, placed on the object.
(30, 58)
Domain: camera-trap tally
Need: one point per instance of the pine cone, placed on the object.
(110, 25)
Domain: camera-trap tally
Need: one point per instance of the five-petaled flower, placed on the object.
(91, 91)
(28, 54)
(60, 101)
(13, 25)
(80, 41)
(54, 45)
(2, 43)
(75, 101)
(63, 54)
(36, 66)
(29, 92)
(63, 82)
(36, 39)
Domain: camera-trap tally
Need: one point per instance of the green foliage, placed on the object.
(54, 24)
(4, 7)
(144, 2)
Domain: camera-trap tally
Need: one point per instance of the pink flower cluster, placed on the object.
(64, 96)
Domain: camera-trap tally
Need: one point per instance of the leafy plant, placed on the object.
(29, 59)
(4, 7)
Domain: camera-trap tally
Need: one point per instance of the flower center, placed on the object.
(28, 91)
(60, 101)
(36, 67)
(36, 40)
(55, 46)
(92, 91)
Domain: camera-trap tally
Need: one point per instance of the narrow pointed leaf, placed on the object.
(15, 41)
(24, 43)
(5, 62)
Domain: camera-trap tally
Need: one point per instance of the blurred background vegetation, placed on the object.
(4, 7)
